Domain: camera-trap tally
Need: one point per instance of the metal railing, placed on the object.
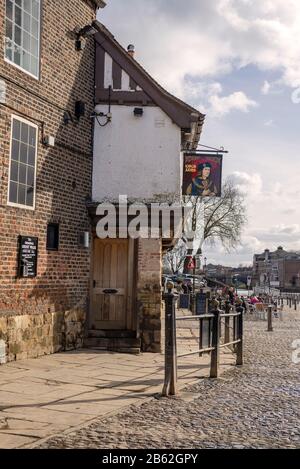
(214, 333)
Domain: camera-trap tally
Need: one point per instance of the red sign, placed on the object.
(191, 264)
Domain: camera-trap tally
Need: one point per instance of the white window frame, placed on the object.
(19, 67)
(25, 121)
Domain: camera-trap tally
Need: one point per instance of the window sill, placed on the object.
(10, 62)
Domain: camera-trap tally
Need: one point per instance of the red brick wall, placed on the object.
(63, 172)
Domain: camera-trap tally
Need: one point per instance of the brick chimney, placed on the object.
(131, 50)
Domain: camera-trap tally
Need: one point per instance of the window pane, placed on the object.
(27, 5)
(18, 35)
(36, 8)
(23, 153)
(17, 57)
(26, 41)
(30, 176)
(24, 132)
(15, 150)
(22, 173)
(16, 129)
(13, 193)
(9, 29)
(29, 196)
(22, 195)
(18, 16)
(26, 61)
(34, 28)
(31, 156)
(9, 9)
(34, 46)
(8, 52)
(19, 3)
(32, 136)
(14, 171)
(26, 22)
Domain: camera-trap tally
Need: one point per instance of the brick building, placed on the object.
(57, 288)
(278, 269)
(46, 170)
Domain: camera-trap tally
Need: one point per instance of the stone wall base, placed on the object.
(31, 336)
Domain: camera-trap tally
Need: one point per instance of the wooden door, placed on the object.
(111, 285)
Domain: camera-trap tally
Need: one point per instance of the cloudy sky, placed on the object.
(239, 62)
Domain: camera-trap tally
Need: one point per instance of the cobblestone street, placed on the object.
(256, 406)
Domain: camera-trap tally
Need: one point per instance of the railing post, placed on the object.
(215, 354)
(240, 331)
(270, 326)
(200, 336)
(170, 346)
(227, 323)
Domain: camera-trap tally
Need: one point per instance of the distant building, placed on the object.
(229, 275)
(279, 269)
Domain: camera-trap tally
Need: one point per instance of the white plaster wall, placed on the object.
(137, 156)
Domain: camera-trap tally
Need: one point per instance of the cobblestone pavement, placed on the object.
(257, 406)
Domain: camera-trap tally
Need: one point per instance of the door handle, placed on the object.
(110, 291)
(94, 284)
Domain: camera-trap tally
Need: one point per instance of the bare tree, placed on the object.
(225, 217)
(174, 259)
(224, 220)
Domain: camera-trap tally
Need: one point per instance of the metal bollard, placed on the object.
(270, 326)
(170, 346)
(239, 348)
(227, 323)
(215, 354)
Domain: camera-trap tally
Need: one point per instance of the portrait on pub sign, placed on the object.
(202, 175)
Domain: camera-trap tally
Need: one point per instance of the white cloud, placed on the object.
(269, 123)
(237, 101)
(207, 96)
(209, 38)
(266, 87)
(249, 184)
(287, 236)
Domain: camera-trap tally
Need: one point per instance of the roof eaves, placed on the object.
(194, 114)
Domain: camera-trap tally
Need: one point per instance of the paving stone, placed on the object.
(254, 406)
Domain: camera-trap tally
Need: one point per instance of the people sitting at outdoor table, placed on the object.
(254, 300)
(185, 288)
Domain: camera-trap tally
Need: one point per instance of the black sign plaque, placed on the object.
(201, 303)
(28, 256)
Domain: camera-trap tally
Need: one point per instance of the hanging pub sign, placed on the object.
(28, 254)
(202, 175)
(190, 262)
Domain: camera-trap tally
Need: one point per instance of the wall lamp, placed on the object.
(138, 111)
(86, 31)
